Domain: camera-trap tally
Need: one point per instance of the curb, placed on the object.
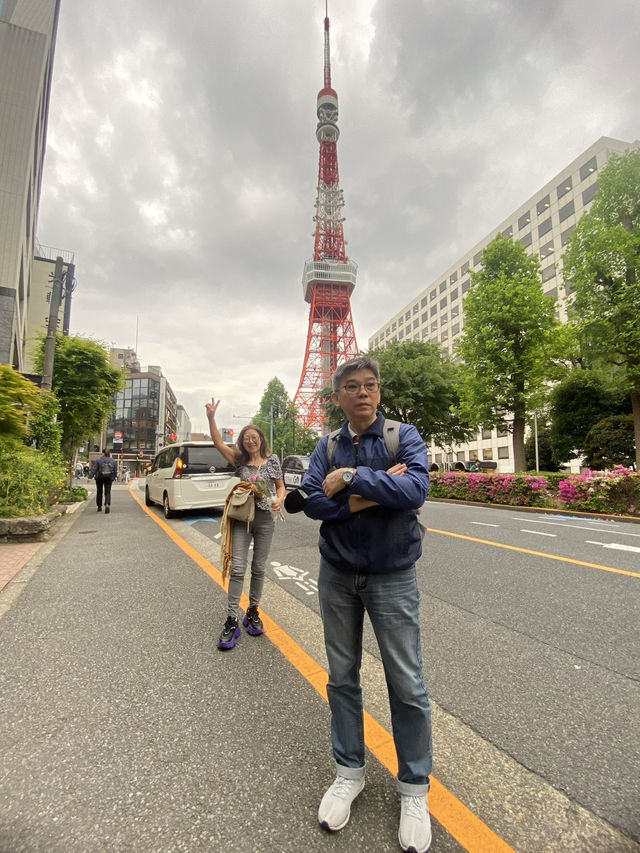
(33, 528)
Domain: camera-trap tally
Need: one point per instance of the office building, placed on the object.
(27, 40)
(543, 224)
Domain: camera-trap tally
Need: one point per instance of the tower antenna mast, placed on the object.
(328, 279)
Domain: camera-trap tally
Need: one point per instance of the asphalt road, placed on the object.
(123, 728)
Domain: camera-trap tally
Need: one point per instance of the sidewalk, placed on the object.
(125, 728)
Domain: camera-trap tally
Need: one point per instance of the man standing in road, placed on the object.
(105, 470)
(369, 543)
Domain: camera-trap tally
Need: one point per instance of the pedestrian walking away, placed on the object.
(256, 465)
(104, 470)
(370, 539)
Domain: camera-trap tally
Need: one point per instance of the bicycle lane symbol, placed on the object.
(298, 576)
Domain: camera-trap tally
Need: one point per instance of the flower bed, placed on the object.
(615, 492)
(515, 489)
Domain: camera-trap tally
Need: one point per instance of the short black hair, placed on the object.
(361, 362)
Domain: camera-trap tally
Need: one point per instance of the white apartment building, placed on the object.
(543, 225)
(27, 38)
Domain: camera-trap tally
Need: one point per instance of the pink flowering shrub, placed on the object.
(615, 492)
(512, 489)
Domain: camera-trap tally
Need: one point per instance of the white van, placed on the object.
(189, 475)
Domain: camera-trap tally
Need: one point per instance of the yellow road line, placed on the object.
(459, 821)
(535, 553)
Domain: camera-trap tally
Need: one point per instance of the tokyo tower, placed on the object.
(329, 278)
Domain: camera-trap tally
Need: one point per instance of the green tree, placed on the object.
(276, 408)
(602, 265)
(418, 386)
(333, 414)
(610, 443)
(84, 382)
(578, 402)
(507, 343)
(18, 398)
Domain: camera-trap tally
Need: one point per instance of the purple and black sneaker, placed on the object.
(230, 633)
(252, 621)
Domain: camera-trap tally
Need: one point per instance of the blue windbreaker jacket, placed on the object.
(379, 539)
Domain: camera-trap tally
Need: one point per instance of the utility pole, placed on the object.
(68, 290)
(50, 342)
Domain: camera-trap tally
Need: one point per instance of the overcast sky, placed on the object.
(182, 164)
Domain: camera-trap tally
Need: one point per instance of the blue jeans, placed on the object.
(392, 602)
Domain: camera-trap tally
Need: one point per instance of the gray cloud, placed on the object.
(182, 161)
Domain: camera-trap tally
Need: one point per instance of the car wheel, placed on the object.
(147, 499)
(168, 512)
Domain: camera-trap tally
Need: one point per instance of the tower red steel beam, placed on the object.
(329, 278)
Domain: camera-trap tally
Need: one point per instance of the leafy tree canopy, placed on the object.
(577, 403)
(19, 397)
(610, 443)
(418, 386)
(507, 344)
(288, 436)
(602, 265)
(84, 382)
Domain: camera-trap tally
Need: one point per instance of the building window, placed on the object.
(443, 286)
(425, 317)
(546, 250)
(460, 456)
(589, 194)
(548, 272)
(416, 308)
(454, 294)
(543, 205)
(477, 258)
(588, 169)
(503, 452)
(554, 294)
(464, 267)
(564, 237)
(508, 232)
(400, 321)
(455, 310)
(425, 332)
(564, 187)
(443, 303)
(487, 453)
(455, 329)
(444, 335)
(439, 458)
(465, 285)
(566, 211)
(423, 301)
(486, 433)
(434, 326)
(433, 295)
(544, 227)
(444, 320)
(502, 433)
(393, 326)
(526, 240)
(407, 316)
(387, 333)
(416, 323)
(434, 310)
(453, 277)
(401, 334)
(524, 220)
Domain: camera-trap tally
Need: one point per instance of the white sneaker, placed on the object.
(335, 807)
(414, 834)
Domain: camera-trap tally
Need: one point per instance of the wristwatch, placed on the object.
(348, 476)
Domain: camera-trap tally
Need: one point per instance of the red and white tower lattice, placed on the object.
(329, 278)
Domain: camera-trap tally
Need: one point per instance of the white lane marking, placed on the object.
(616, 546)
(576, 526)
(484, 524)
(538, 533)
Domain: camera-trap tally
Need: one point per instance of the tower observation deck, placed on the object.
(329, 277)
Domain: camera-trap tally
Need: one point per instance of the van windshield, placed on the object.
(205, 460)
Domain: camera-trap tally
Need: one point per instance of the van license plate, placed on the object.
(213, 484)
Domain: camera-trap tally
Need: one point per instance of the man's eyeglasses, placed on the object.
(370, 386)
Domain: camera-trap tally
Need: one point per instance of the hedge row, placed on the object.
(615, 492)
